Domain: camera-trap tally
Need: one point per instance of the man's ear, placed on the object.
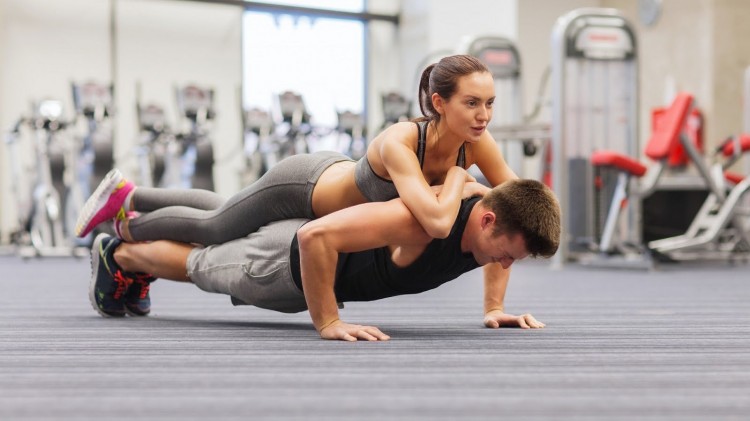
(488, 219)
(438, 102)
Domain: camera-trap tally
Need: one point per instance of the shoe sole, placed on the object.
(129, 312)
(97, 200)
(133, 314)
(95, 256)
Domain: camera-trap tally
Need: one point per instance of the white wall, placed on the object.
(452, 20)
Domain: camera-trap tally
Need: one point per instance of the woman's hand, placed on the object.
(473, 188)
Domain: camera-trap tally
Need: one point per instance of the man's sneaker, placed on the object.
(108, 283)
(106, 203)
(137, 300)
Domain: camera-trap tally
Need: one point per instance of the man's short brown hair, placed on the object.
(529, 208)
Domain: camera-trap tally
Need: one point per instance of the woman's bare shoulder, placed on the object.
(404, 132)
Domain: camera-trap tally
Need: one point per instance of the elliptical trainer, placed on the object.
(395, 108)
(190, 160)
(294, 129)
(352, 134)
(258, 127)
(93, 155)
(95, 103)
(154, 139)
(43, 192)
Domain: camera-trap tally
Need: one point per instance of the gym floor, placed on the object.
(667, 344)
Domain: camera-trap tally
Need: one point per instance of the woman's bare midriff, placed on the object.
(336, 189)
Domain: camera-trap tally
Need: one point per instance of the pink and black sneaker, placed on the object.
(105, 203)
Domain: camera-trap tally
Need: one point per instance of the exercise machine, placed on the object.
(594, 107)
(351, 134)
(671, 145)
(396, 108)
(721, 229)
(92, 156)
(94, 104)
(746, 111)
(293, 129)
(44, 191)
(191, 161)
(154, 141)
(258, 129)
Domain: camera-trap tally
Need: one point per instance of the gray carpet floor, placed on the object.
(667, 344)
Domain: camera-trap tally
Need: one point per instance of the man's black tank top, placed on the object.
(371, 275)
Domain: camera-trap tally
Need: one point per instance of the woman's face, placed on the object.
(469, 110)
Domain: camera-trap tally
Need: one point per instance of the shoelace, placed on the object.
(123, 283)
(145, 285)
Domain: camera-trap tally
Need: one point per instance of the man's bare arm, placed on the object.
(362, 227)
(495, 284)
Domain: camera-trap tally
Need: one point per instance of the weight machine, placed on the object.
(595, 107)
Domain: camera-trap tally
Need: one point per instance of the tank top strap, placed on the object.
(421, 141)
(461, 160)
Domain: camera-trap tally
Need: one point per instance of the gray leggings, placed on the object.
(204, 217)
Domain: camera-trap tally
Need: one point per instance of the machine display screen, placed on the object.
(502, 62)
(497, 57)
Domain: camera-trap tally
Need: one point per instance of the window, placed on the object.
(320, 58)
(340, 5)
